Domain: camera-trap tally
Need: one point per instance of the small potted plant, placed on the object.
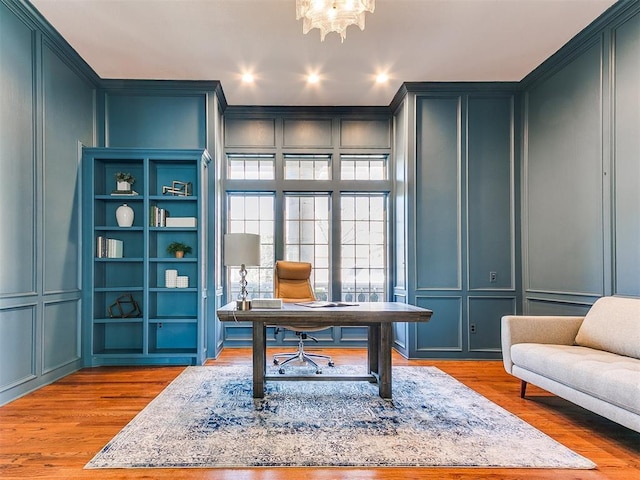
(179, 249)
(124, 180)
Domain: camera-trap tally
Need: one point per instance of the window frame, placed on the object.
(334, 187)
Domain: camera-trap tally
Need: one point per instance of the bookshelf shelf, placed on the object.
(118, 320)
(120, 260)
(173, 229)
(170, 327)
(104, 228)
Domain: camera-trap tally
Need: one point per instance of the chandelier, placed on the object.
(332, 15)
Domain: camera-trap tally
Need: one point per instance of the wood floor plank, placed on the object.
(53, 432)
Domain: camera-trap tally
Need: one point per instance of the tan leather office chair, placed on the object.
(292, 285)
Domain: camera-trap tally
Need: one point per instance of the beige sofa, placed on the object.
(592, 361)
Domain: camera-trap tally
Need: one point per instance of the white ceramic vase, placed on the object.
(124, 215)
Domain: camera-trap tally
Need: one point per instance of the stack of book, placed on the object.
(108, 248)
(124, 193)
(158, 216)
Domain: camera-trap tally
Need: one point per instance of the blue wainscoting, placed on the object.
(46, 111)
(625, 171)
(581, 169)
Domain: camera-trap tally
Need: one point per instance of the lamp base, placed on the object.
(243, 305)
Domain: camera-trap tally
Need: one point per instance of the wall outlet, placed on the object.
(472, 328)
(493, 277)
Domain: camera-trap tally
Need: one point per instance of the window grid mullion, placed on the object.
(336, 189)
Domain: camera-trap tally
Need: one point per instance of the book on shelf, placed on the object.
(109, 247)
(158, 216)
(124, 193)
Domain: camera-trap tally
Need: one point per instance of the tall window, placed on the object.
(253, 213)
(340, 229)
(307, 236)
(363, 247)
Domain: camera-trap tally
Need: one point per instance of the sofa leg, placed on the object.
(523, 388)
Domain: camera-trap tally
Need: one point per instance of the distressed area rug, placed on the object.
(207, 418)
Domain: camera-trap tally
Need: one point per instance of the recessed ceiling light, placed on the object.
(313, 78)
(382, 78)
(247, 78)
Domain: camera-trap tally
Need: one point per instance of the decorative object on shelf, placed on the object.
(124, 180)
(242, 249)
(181, 222)
(182, 281)
(180, 189)
(124, 215)
(171, 278)
(332, 15)
(124, 307)
(179, 249)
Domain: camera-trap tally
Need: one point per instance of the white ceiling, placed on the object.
(411, 40)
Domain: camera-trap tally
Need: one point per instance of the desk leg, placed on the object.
(373, 351)
(259, 358)
(385, 359)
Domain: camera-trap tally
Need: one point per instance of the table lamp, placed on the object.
(242, 249)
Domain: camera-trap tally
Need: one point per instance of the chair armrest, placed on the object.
(556, 330)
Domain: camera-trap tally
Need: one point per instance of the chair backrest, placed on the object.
(291, 282)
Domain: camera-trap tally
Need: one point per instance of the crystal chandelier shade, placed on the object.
(332, 15)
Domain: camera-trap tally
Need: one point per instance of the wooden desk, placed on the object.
(378, 317)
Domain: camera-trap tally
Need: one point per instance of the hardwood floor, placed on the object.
(53, 432)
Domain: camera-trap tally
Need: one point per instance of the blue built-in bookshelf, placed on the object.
(136, 312)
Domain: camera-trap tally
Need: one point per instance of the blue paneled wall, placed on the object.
(625, 169)
(141, 114)
(51, 104)
(581, 170)
(46, 112)
(18, 154)
(459, 158)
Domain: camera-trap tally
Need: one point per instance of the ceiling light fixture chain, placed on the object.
(332, 15)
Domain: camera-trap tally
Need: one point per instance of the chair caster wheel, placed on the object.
(281, 371)
(276, 362)
(331, 364)
(318, 372)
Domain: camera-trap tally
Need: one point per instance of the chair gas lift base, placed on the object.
(301, 355)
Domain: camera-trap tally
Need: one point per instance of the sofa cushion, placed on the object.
(612, 378)
(612, 324)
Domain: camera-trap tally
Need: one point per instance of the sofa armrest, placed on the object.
(556, 330)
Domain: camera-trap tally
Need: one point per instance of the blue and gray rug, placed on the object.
(207, 418)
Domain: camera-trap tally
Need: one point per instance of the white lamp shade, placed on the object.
(241, 248)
